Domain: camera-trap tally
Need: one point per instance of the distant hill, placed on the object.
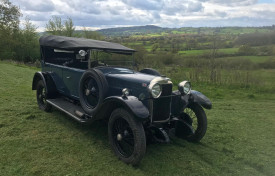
(135, 30)
(159, 31)
(151, 30)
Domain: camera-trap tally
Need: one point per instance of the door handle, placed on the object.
(68, 77)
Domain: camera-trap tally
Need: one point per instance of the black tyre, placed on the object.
(126, 136)
(41, 96)
(150, 71)
(195, 116)
(92, 90)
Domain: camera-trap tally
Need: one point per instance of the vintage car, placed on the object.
(81, 78)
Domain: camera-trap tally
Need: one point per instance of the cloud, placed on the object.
(38, 5)
(165, 13)
(145, 4)
(93, 7)
(156, 15)
(37, 17)
(220, 13)
(195, 7)
(234, 2)
(173, 7)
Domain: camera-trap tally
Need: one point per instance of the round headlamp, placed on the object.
(82, 53)
(155, 90)
(184, 87)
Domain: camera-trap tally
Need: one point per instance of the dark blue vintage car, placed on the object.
(79, 77)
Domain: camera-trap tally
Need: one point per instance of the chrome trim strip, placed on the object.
(162, 121)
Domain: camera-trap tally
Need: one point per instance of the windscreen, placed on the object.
(111, 59)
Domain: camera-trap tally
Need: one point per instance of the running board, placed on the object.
(74, 111)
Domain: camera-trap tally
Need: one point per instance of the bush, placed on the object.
(265, 51)
(246, 50)
(37, 63)
(270, 64)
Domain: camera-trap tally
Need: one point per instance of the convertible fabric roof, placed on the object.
(69, 43)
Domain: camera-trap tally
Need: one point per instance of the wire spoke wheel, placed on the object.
(195, 116)
(123, 137)
(126, 136)
(91, 92)
(41, 96)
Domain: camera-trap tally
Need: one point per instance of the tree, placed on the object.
(155, 47)
(191, 43)
(55, 26)
(9, 15)
(69, 27)
(214, 51)
(9, 27)
(246, 50)
(140, 56)
(273, 50)
(29, 47)
(92, 34)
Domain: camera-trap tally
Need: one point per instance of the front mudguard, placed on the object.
(180, 102)
(130, 103)
(199, 98)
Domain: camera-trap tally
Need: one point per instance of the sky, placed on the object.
(98, 14)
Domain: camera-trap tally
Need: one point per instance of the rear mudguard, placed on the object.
(130, 103)
(179, 102)
(47, 80)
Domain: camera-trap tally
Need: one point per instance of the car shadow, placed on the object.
(98, 132)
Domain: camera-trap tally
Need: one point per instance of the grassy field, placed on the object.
(255, 59)
(200, 52)
(206, 30)
(240, 139)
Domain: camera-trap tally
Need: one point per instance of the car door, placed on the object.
(57, 75)
(71, 78)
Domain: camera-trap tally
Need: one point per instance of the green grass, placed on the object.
(201, 52)
(255, 59)
(239, 140)
(230, 84)
(207, 31)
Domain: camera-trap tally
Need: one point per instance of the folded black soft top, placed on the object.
(70, 43)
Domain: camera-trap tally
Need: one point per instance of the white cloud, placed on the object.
(37, 6)
(234, 2)
(165, 13)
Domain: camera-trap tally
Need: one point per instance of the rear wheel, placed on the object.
(126, 136)
(41, 96)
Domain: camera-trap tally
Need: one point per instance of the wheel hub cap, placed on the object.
(87, 92)
(119, 137)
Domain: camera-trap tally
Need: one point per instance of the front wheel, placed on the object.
(126, 136)
(195, 117)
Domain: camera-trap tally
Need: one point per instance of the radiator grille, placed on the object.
(161, 106)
